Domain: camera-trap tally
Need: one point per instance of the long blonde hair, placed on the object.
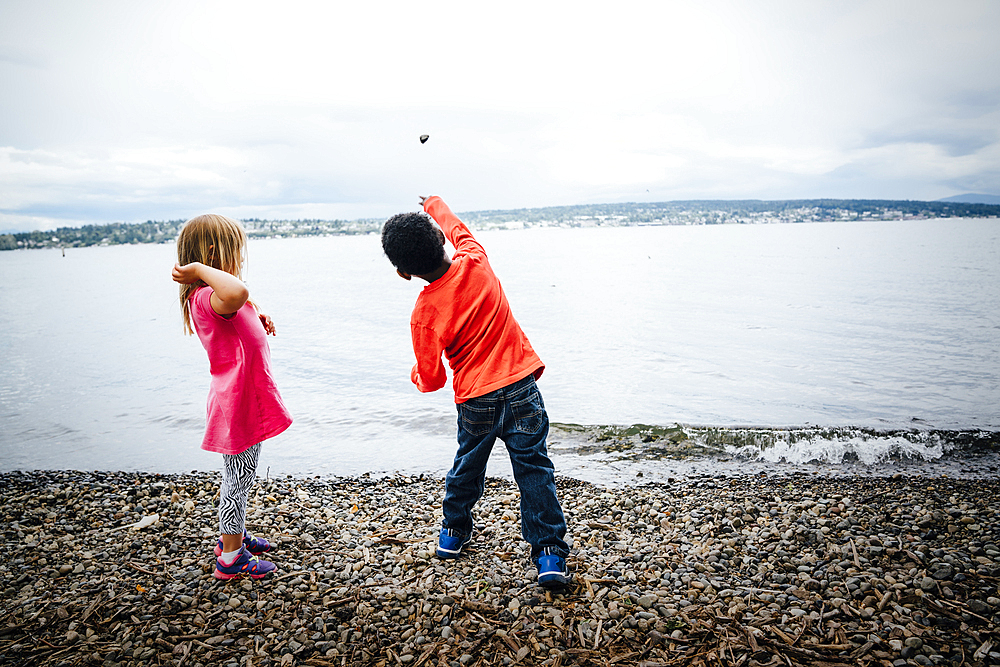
(216, 241)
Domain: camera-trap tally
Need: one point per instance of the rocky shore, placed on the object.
(758, 570)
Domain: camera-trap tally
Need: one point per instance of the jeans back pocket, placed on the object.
(529, 412)
(476, 420)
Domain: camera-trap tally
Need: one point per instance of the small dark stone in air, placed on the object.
(424, 138)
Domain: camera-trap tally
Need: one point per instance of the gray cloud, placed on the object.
(953, 141)
(135, 111)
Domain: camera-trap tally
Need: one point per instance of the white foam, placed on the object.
(868, 449)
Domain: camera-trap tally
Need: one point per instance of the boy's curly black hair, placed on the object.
(412, 243)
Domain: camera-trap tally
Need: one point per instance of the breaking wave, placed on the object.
(795, 445)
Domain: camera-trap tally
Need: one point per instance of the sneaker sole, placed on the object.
(448, 554)
(222, 576)
(553, 579)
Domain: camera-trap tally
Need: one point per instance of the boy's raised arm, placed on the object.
(454, 229)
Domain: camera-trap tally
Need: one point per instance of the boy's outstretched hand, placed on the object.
(423, 198)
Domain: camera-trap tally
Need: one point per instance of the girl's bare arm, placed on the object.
(228, 292)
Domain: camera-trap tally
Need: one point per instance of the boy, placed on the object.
(463, 312)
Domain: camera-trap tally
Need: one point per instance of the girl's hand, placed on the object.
(186, 274)
(268, 324)
(228, 292)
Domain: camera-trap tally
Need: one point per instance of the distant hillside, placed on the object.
(971, 198)
(736, 211)
(709, 212)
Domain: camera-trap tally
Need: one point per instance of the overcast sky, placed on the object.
(163, 110)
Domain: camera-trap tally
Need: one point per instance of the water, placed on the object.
(861, 326)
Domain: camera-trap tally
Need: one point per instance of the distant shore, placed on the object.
(620, 214)
(813, 569)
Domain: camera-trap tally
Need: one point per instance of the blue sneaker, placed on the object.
(450, 543)
(552, 572)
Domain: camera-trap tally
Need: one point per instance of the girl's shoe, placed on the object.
(255, 545)
(245, 565)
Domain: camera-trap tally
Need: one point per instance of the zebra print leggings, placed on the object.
(239, 472)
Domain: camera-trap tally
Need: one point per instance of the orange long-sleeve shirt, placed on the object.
(465, 315)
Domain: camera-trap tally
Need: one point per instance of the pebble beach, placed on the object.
(114, 569)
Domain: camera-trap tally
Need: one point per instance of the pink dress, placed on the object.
(244, 406)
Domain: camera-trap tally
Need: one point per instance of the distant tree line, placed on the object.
(115, 233)
(118, 233)
(628, 213)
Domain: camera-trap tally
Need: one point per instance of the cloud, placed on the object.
(21, 57)
(134, 111)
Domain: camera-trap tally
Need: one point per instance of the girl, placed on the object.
(244, 407)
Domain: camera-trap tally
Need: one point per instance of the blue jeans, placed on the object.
(516, 415)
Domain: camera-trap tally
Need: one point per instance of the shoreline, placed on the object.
(815, 569)
(616, 455)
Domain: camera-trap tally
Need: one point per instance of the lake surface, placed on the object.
(880, 325)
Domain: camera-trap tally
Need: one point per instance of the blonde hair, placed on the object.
(216, 241)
